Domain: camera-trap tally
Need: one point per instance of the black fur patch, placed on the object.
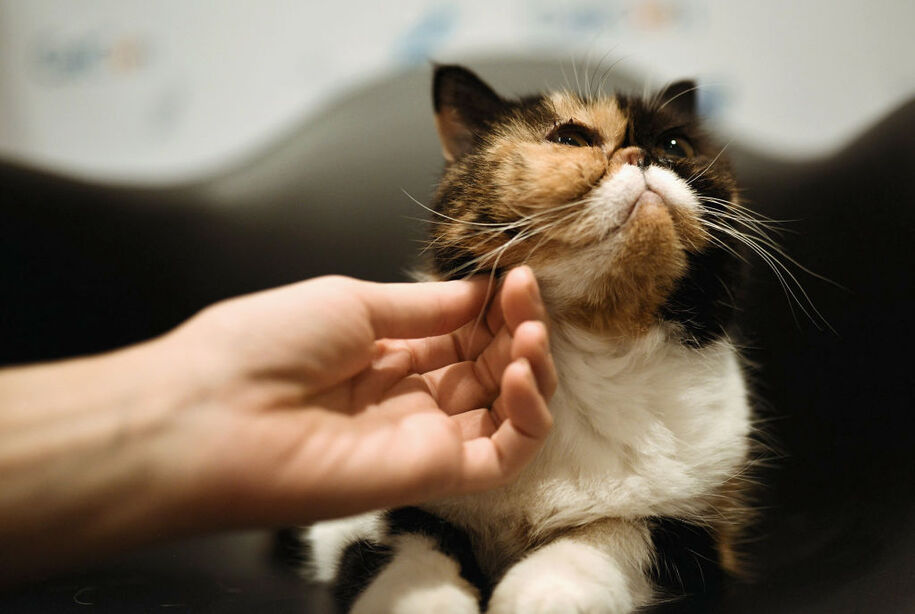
(703, 301)
(450, 540)
(686, 561)
(361, 561)
(290, 551)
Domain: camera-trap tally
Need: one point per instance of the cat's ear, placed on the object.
(464, 106)
(680, 96)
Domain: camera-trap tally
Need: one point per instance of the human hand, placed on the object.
(319, 399)
(335, 396)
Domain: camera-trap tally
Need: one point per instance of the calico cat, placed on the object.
(621, 206)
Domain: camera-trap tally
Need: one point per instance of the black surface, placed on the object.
(85, 268)
(226, 574)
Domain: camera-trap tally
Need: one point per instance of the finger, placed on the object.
(520, 299)
(435, 352)
(468, 385)
(468, 341)
(524, 406)
(491, 462)
(403, 311)
(532, 341)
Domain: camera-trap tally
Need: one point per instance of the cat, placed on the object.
(625, 210)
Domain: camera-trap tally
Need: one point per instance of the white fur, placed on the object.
(566, 576)
(330, 538)
(419, 580)
(610, 204)
(643, 429)
(650, 428)
(670, 187)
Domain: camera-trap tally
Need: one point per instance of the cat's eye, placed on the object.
(675, 146)
(572, 135)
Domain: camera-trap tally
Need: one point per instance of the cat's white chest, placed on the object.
(652, 428)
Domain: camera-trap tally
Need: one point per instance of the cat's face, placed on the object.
(613, 201)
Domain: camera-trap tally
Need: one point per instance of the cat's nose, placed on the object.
(629, 155)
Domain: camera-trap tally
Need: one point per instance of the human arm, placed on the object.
(277, 408)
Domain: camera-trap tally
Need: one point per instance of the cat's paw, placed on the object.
(418, 580)
(440, 599)
(563, 578)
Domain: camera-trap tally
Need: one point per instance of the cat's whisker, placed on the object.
(546, 236)
(695, 178)
(565, 76)
(748, 224)
(764, 255)
(744, 218)
(728, 248)
(765, 239)
(747, 217)
(490, 284)
(536, 217)
(591, 77)
(762, 228)
(677, 95)
(606, 73)
(738, 207)
(499, 226)
(782, 272)
(452, 219)
(577, 83)
(480, 262)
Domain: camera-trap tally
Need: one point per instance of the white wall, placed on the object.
(132, 90)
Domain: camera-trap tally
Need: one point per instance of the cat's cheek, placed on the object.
(535, 176)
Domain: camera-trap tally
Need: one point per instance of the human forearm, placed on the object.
(81, 445)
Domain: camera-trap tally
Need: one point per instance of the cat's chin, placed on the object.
(648, 200)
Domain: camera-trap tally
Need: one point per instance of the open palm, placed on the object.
(360, 395)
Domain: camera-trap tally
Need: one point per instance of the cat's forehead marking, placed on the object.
(602, 114)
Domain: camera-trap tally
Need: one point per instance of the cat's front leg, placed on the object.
(419, 579)
(598, 569)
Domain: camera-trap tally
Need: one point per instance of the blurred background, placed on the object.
(157, 157)
(132, 91)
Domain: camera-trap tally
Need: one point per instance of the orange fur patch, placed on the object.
(732, 515)
(603, 115)
(534, 176)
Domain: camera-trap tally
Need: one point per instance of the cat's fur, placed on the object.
(617, 203)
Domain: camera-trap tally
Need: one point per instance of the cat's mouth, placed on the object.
(647, 199)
